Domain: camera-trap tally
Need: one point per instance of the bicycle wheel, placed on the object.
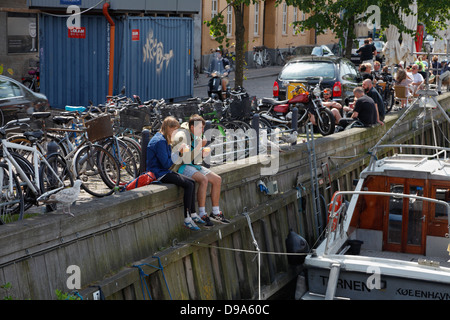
(11, 203)
(267, 59)
(50, 180)
(135, 148)
(125, 156)
(97, 169)
(29, 197)
(389, 101)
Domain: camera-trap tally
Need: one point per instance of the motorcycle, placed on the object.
(308, 103)
(215, 87)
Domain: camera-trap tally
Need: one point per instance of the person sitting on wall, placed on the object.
(376, 97)
(364, 112)
(334, 106)
(191, 133)
(160, 161)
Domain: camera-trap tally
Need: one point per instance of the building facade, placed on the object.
(265, 24)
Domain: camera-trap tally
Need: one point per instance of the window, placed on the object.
(229, 20)
(213, 8)
(256, 27)
(440, 211)
(294, 18)
(303, 19)
(284, 18)
(304, 69)
(9, 89)
(22, 34)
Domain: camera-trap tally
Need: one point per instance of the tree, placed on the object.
(339, 16)
(218, 30)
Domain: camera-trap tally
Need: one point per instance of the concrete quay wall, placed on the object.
(131, 241)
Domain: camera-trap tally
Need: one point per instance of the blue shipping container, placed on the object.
(153, 58)
(156, 60)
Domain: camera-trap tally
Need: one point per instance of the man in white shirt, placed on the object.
(417, 78)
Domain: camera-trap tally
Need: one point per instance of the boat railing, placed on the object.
(332, 232)
(440, 154)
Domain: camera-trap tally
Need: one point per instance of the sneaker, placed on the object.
(207, 221)
(219, 218)
(197, 219)
(190, 224)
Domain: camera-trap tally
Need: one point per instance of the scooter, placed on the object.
(307, 102)
(215, 87)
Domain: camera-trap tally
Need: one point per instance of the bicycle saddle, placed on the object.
(62, 120)
(41, 115)
(33, 135)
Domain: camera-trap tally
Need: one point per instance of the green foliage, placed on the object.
(6, 287)
(66, 296)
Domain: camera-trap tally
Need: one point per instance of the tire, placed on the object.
(124, 155)
(47, 179)
(328, 123)
(267, 59)
(280, 59)
(389, 102)
(97, 169)
(11, 204)
(29, 197)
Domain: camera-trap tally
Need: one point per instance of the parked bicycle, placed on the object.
(261, 56)
(22, 182)
(32, 80)
(282, 57)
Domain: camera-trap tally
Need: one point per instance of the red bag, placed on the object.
(144, 179)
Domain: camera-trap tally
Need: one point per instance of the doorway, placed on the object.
(405, 218)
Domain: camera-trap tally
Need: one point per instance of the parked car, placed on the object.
(356, 58)
(17, 101)
(308, 50)
(338, 73)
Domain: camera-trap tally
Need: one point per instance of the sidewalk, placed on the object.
(252, 73)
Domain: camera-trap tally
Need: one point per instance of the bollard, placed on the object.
(207, 160)
(294, 122)
(255, 126)
(145, 139)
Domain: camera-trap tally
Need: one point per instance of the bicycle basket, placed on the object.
(135, 118)
(99, 128)
(241, 108)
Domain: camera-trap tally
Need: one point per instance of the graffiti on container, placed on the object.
(154, 51)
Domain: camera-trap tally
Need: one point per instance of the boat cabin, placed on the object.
(398, 224)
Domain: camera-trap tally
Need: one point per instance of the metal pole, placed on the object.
(294, 122)
(145, 139)
(255, 126)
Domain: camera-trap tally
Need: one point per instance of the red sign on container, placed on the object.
(135, 35)
(77, 33)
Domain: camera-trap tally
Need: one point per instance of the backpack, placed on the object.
(144, 179)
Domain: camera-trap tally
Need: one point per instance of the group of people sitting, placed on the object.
(174, 156)
(368, 108)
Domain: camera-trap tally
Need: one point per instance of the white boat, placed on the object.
(390, 240)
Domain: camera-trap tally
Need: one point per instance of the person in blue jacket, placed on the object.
(160, 160)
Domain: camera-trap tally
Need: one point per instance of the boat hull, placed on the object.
(366, 286)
